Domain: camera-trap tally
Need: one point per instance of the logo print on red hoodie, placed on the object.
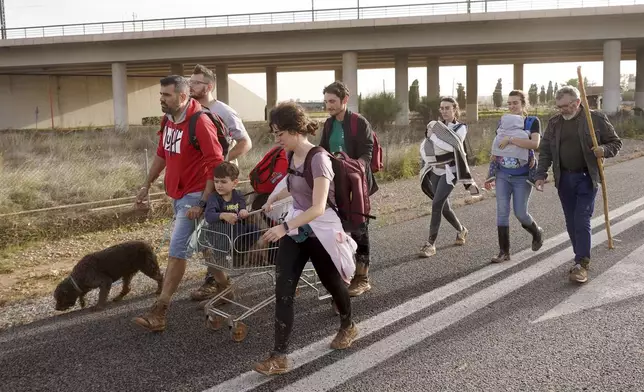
(172, 140)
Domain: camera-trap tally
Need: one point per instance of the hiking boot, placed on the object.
(360, 282)
(461, 236)
(219, 288)
(579, 271)
(207, 290)
(578, 274)
(537, 235)
(345, 337)
(275, 364)
(504, 244)
(155, 319)
(428, 250)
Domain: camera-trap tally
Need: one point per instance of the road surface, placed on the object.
(453, 322)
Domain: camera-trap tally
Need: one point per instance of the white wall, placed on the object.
(83, 101)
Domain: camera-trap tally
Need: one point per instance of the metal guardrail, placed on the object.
(443, 7)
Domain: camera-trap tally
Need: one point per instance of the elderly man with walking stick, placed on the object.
(567, 146)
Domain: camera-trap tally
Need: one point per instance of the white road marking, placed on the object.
(339, 372)
(623, 280)
(312, 352)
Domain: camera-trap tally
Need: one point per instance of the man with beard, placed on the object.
(568, 147)
(337, 136)
(188, 182)
(202, 84)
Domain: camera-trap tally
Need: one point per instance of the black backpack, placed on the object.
(222, 131)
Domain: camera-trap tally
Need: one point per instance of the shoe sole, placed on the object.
(273, 373)
(147, 326)
(359, 293)
(348, 345)
(576, 280)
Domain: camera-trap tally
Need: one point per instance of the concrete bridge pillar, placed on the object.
(176, 69)
(639, 78)
(433, 74)
(402, 89)
(338, 75)
(350, 78)
(517, 83)
(471, 90)
(119, 92)
(221, 76)
(271, 89)
(612, 88)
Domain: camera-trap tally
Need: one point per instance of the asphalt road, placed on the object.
(449, 323)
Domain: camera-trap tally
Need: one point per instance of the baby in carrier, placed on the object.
(511, 156)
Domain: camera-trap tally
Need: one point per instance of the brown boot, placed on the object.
(273, 365)
(155, 319)
(219, 288)
(345, 337)
(207, 290)
(360, 282)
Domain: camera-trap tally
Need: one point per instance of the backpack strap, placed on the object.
(164, 122)
(306, 168)
(529, 120)
(354, 124)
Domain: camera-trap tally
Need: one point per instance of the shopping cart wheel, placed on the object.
(239, 331)
(214, 323)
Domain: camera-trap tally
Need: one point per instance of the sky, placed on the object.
(298, 85)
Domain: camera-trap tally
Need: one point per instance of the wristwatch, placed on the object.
(286, 227)
(202, 204)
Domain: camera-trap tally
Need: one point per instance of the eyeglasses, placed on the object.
(193, 82)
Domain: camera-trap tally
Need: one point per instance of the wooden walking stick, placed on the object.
(600, 164)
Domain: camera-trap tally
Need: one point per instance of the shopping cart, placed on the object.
(239, 250)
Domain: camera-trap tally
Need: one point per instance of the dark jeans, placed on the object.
(440, 205)
(291, 259)
(577, 195)
(361, 237)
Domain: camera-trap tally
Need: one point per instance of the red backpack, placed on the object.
(270, 170)
(351, 191)
(376, 155)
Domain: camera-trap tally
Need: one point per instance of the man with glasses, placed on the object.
(202, 84)
(568, 147)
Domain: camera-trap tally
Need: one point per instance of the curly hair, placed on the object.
(290, 117)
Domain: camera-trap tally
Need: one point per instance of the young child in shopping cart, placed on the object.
(225, 214)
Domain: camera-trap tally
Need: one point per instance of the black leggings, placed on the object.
(291, 259)
(361, 237)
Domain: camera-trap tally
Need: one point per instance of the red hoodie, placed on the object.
(188, 169)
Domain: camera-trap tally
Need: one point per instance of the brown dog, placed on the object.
(102, 268)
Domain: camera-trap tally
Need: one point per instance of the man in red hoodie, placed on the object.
(188, 182)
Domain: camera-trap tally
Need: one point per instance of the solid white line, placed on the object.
(623, 280)
(310, 353)
(363, 360)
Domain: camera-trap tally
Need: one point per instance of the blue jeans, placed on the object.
(577, 194)
(515, 188)
(183, 227)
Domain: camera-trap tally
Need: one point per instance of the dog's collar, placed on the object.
(71, 279)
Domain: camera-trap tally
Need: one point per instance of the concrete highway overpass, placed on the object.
(417, 36)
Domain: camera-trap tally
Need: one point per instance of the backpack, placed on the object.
(376, 155)
(352, 202)
(270, 170)
(222, 131)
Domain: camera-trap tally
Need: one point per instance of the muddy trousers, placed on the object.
(291, 259)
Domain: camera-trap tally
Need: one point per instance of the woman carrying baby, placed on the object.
(443, 165)
(512, 166)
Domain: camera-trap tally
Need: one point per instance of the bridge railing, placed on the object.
(440, 7)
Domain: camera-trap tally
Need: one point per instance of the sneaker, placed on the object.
(461, 236)
(428, 250)
(155, 319)
(345, 337)
(578, 274)
(275, 364)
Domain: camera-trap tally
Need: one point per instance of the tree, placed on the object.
(497, 95)
(549, 93)
(542, 95)
(460, 95)
(428, 108)
(380, 109)
(414, 96)
(556, 88)
(533, 95)
(575, 83)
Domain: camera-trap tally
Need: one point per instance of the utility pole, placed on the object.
(3, 22)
